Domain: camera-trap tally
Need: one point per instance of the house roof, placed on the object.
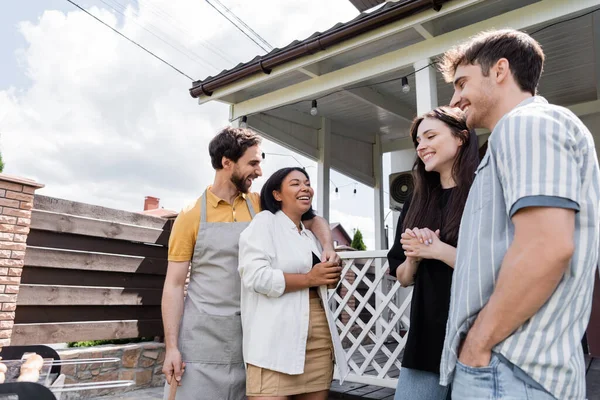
(337, 225)
(160, 212)
(364, 22)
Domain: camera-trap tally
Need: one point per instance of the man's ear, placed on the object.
(226, 163)
(501, 70)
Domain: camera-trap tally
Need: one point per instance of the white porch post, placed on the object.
(426, 87)
(379, 230)
(323, 168)
(378, 195)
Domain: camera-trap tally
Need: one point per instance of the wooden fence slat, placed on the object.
(90, 261)
(93, 244)
(65, 223)
(42, 295)
(74, 277)
(38, 314)
(73, 331)
(46, 203)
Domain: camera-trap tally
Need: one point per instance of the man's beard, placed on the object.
(486, 102)
(240, 183)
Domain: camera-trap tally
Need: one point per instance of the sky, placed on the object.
(98, 120)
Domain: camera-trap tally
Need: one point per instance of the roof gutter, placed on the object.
(347, 31)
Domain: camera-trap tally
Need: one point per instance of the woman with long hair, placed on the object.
(290, 339)
(424, 250)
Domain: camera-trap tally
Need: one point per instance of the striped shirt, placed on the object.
(538, 155)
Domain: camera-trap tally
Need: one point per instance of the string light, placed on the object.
(313, 108)
(405, 85)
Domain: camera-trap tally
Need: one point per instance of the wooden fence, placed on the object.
(90, 273)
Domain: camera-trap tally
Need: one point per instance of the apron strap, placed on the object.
(203, 209)
(250, 208)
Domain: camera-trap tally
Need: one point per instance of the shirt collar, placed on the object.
(214, 200)
(532, 99)
(529, 100)
(287, 222)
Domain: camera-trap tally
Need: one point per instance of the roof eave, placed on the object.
(356, 27)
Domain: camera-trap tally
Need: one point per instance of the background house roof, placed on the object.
(340, 228)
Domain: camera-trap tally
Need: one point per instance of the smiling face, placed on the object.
(247, 169)
(295, 194)
(474, 93)
(437, 146)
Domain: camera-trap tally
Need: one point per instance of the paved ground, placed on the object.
(144, 394)
(149, 394)
(355, 391)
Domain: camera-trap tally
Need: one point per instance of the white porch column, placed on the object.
(378, 195)
(379, 230)
(323, 168)
(425, 86)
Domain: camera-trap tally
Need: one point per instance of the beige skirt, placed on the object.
(318, 364)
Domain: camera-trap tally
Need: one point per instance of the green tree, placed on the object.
(1, 163)
(357, 241)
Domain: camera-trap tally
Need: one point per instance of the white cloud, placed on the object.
(105, 123)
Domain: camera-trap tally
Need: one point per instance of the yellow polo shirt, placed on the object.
(185, 229)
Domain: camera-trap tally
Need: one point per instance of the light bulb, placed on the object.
(244, 123)
(313, 109)
(405, 85)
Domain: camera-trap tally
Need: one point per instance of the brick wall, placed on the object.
(16, 202)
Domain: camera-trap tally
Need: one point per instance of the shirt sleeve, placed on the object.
(184, 233)
(536, 157)
(396, 254)
(256, 256)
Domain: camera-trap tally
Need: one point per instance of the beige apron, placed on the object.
(210, 335)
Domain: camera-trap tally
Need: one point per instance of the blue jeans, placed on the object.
(496, 381)
(420, 385)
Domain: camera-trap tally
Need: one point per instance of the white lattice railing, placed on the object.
(371, 311)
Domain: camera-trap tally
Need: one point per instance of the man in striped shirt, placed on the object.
(528, 241)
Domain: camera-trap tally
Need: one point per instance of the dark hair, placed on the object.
(267, 200)
(424, 210)
(231, 143)
(524, 54)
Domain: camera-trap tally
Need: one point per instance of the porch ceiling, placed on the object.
(361, 109)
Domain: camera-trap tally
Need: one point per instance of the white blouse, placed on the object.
(275, 324)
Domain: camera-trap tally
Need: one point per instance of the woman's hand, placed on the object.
(325, 273)
(422, 243)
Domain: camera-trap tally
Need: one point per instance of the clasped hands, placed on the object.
(420, 243)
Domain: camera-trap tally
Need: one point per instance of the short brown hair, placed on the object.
(231, 143)
(524, 55)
